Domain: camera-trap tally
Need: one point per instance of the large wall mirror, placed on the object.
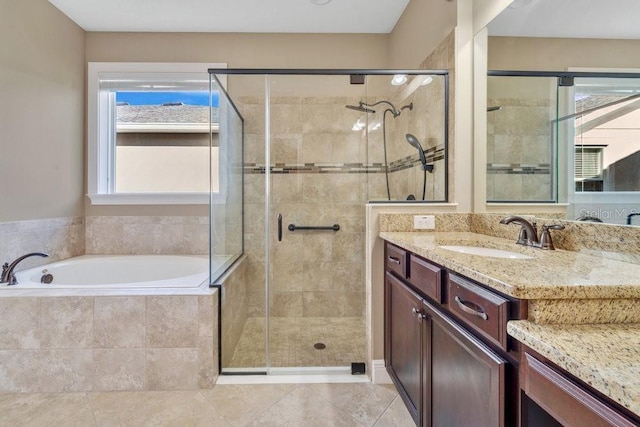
(563, 108)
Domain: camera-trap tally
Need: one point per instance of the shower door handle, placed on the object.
(279, 227)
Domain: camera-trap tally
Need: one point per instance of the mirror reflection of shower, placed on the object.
(413, 141)
(395, 112)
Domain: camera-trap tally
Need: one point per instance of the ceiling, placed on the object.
(610, 19)
(245, 16)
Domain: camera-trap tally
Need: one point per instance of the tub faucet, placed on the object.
(528, 235)
(8, 276)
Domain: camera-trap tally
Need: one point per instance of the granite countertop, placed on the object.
(555, 274)
(604, 356)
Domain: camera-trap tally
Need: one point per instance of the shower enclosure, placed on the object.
(226, 133)
(318, 146)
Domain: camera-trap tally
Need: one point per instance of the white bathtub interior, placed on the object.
(125, 271)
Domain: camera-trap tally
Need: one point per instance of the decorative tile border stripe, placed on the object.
(432, 155)
(519, 168)
(311, 168)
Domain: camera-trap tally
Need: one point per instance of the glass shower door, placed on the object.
(316, 195)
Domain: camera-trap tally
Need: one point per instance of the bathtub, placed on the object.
(120, 272)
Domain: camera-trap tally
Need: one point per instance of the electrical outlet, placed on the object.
(424, 222)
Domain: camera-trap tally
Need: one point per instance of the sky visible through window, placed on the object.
(198, 98)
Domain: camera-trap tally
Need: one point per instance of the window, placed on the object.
(588, 167)
(150, 133)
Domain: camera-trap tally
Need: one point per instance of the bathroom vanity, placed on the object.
(460, 350)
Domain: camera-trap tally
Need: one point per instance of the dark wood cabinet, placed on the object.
(467, 378)
(404, 334)
(448, 353)
(551, 398)
(445, 373)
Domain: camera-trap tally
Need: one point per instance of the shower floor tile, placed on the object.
(292, 342)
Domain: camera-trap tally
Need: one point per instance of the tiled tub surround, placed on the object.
(171, 235)
(61, 238)
(108, 343)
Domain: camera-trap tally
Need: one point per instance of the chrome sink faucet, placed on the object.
(8, 276)
(528, 235)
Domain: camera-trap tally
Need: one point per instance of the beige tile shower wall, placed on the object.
(234, 309)
(426, 122)
(107, 235)
(520, 134)
(61, 238)
(108, 343)
(312, 273)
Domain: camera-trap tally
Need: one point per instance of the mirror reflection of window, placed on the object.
(607, 134)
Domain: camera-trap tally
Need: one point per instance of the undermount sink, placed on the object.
(487, 252)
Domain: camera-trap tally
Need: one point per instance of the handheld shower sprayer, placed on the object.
(413, 141)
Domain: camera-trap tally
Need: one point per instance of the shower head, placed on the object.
(413, 141)
(365, 108)
(360, 107)
(496, 108)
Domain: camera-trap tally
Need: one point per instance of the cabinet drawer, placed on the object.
(479, 308)
(395, 259)
(564, 400)
(426, 277)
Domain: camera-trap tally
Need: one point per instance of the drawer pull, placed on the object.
(464, 306)
(394, 260)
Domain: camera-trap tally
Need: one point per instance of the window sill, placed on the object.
(151, 199)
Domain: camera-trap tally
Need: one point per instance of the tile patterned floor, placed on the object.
(308, 405)
(292, 342)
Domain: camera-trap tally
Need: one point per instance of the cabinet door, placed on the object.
(467, 378)
(403, 342)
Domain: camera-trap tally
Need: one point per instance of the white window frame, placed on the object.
(101, 122)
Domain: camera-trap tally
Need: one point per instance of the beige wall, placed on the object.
(554, 54)
(41, 113)
(420, 29)
(241, 50)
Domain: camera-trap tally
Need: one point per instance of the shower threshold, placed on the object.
(294, 375)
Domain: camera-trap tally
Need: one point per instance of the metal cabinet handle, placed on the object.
(465, 307)
(394, 259)
(279, 227)
(420, 315)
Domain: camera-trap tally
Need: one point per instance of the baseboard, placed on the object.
(379, 374)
